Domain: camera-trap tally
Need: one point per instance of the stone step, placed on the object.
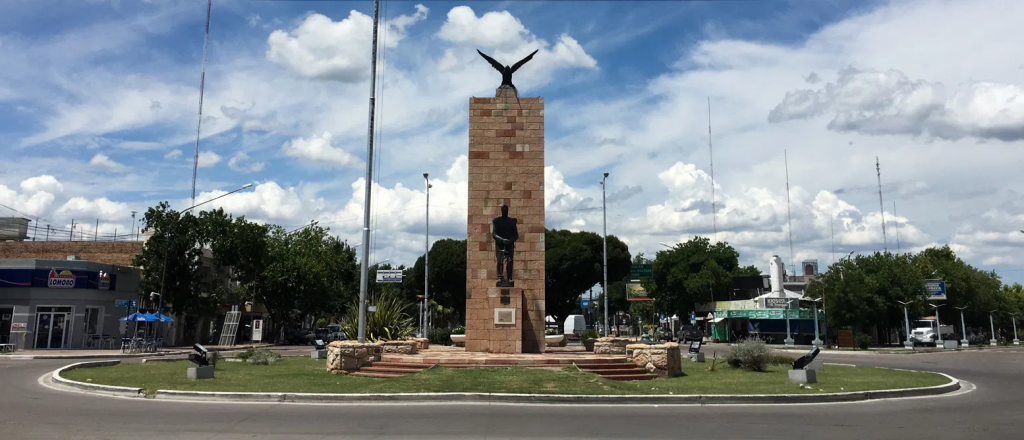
(362, 373)
(610, 366)
(644, 376)
(377, 369)
(620, 372)
(409, 365)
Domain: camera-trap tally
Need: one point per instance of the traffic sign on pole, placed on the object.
(585, 303)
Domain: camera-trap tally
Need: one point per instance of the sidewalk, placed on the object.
(116, 354)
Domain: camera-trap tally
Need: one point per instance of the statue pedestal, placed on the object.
(318, 354)
(195, 373)
(696, 357)
(803, 376)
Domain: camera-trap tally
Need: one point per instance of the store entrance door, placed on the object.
(6, 318)
(52, 325)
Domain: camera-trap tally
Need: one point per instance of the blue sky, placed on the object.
(98, 112)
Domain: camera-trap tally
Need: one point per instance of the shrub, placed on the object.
(245, 355)
(263, 357)
(862, 340)
(563, 342)
(460, 330)
(440, 336)
(321, 323)
(751, 354)
(589, 334)
(212, 357)
(780, 359)
(550, 332)
(391, 322)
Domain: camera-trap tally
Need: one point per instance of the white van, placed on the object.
(575, 324)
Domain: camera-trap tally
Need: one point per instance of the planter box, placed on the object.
(553, 340)
(458, 340)
(588, 344)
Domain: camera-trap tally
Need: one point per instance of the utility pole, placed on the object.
(133, 225)
(711, 155)
(789, 217)
(96, 231)
(71, 234)
(364, 269)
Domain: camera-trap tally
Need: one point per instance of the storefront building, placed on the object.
(63, 304)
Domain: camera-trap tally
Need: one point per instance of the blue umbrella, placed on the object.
(138, 317)
(160, 317)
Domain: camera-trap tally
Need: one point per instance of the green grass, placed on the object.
(304, 375)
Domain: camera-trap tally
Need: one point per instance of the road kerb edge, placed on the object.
(56, 378)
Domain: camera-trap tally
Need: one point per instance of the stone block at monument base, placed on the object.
(660, 359)
(505, 224)
(318, 354)
(399, 347)
(204, 372)
(351, 355)
(609, 345)
(817, 365)
(696, 357)
(803, 376)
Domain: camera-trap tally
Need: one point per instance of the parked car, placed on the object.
(330, 333)
(690, 333)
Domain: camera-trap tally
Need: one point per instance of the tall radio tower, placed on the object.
(881, 207)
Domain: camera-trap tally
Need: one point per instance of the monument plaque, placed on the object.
(505, 227)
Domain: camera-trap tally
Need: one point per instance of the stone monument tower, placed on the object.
(505, 236)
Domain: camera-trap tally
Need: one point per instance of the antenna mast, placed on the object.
(881, 207)
(789, 215)
(202, 85)
(897, 223)
(711, 154)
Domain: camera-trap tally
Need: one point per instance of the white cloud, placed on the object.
(503, 32)
(103, 162)
(101, 208)
(324, 49)
(173, 154)
(44, 183)
(206, 159)
(253, 19)
(240, 162)
(317, 150)
(888, 102)
(37, 197)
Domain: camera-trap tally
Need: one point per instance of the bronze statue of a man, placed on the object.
(505, 233)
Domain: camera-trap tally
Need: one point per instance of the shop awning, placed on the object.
(770, 314)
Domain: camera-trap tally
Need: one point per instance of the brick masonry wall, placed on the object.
(506, 167)
(108, 252)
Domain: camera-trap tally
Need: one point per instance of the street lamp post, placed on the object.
(991, 323)
(817, 341)
(938, 325)
(963, 326)
(1015, 340)
(789, 337)
(604, 215)
(425, 326)
(167, 247)
(906, 322)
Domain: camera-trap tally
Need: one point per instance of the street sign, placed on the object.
(635, 290)
(257, 330)
(584, 303)
(371, 309)
(638, 271)
(121, 302)
(775, 303)
(389, 276)
(693, 316)
(936, 289)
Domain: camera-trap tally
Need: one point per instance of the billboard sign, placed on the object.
(389, 276)
(635, 290)
(640, 271)
(936, 289)
(60, 280)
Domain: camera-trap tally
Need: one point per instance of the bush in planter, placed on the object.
(550, 332)
(750, 353)
(460, 330)
(391, 322)
(440, 336)
(589, 334)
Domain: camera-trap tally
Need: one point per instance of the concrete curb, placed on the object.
(99, 356)
(695, 399)
(56, 378)
(711, 399)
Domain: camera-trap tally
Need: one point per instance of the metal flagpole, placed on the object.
(364, 269)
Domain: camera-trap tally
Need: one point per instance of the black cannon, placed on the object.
(806, 359)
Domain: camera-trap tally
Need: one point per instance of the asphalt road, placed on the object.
(992, 409)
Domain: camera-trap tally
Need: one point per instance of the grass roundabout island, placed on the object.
(305, 375)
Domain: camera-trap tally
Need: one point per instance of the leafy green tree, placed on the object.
(447, 278)
(693, 272)
(172, 261)
(966, 286)
(573, 264)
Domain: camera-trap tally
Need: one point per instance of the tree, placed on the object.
(172, 258)
(447, 277)
(573, 263)
(966, 286)
(693, 272)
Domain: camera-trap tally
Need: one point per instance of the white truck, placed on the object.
(925, 333)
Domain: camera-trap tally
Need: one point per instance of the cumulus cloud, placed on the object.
(888, 103)
(321, 48)
(317, 150)
(103, 162)
(173, 154)
(101, 208)
(36, 197)
(206, 159)
(240, 162)
(503, 32)
(44, 183)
